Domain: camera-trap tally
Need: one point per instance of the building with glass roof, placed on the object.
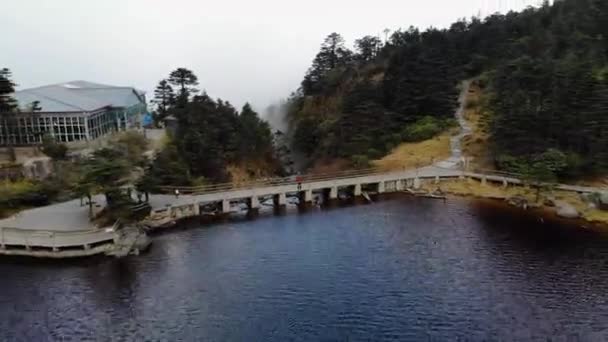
(72, 112)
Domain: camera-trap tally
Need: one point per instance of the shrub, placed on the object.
(22, 193)
(360, 161)
(423, 129)
(53, 149)
(373, 153)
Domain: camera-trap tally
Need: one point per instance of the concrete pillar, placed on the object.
(306, 196)
(280, 200)
(357, 191)
(333, 193)
(437, 180)
(197, 209)
(55, 249)
(505, 183)
(254, 203)
(399, 185)
(381, 188)
(484, 180)
(87, 247)
(417, 183)
(225, 206)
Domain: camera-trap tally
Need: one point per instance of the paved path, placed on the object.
(60, 217)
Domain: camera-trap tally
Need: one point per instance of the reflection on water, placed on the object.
(404, 269)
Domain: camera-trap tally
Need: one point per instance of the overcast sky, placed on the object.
(241, 50)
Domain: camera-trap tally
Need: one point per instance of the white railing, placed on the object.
(10, 236)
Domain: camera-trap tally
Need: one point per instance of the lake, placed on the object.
(403, 269)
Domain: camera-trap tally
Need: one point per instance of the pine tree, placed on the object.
(367, 48)
(186, 81)
(333, 54)
(7, 88)
(164, 98)
(8, 109)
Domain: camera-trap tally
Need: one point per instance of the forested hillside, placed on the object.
(544, 73)
(211, 137)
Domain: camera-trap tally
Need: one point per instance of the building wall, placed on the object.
(29, 128)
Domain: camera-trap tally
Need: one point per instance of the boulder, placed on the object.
(566, 210)
(549, 201)
(603, 199)
(519, 202)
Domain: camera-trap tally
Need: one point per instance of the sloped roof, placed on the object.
(78, 96)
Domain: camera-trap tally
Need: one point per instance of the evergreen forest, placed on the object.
(543, 71)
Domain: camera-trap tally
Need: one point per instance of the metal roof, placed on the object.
(78, 96)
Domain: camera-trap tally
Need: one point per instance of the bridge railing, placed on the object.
(48, 238)
(273, 181)
(497, 173)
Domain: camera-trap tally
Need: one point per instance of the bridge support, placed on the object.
(417, 183)
(253, 203)
(505, 183)
(330, 196)
(280, 200)
(357, 190)
(333, 193)
(225, 206)
(484, 180)
(399, 185)
(381, 188)
(254, 206)
(305, 197)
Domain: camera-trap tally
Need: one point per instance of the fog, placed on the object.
(242, 51)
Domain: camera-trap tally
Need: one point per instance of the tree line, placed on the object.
(211, 134)
(544, 73)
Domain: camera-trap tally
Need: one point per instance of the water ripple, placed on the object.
(400, 270)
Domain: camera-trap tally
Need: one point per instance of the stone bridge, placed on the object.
(220, 198)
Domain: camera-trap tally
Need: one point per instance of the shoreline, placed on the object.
(588, 219)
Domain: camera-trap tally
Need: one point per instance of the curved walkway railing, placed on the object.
(53, 239)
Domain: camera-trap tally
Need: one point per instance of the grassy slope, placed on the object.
(250, 171)
(418, 154)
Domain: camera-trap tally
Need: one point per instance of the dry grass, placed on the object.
(248, 172)
(476, 189)
(597, 182)
(325, 166)
(412, 155)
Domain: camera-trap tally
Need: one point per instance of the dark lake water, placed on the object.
(399, 270)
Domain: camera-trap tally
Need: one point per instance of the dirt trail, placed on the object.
(455, 160)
